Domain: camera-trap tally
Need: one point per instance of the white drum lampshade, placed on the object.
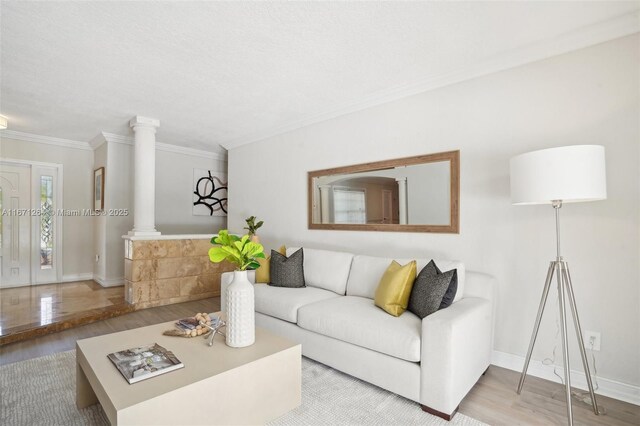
(569, 174)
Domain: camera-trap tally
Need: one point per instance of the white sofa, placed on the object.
(434, 361)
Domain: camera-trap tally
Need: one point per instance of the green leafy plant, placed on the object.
(252, 226)
(240, 251)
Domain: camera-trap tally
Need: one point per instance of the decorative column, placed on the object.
(324, 203)
(402, 200)
(144, 178)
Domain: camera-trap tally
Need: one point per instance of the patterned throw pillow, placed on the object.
(287, 271)
(447, 300)
(433, 290)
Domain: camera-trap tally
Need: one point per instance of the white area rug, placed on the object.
(41, 391)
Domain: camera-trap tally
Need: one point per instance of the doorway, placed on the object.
(30, 226)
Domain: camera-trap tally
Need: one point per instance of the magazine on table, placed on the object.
(144, 362)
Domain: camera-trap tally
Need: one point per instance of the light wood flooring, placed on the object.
(493, 400)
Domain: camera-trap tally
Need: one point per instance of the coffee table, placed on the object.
(218, 384)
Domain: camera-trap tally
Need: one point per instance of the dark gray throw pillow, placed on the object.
(287, 271)
(447, 300)
(430, 290)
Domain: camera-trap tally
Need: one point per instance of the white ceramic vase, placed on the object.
(241, 327)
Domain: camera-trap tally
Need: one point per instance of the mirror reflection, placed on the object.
(417, 192)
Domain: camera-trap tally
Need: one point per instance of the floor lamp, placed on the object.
(556, 176)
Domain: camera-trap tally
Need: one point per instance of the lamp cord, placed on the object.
(580, 396)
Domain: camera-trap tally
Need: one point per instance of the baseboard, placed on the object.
(108, 282)
(77, 277)
(611, 388)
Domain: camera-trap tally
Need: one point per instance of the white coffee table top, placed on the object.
(200, 360)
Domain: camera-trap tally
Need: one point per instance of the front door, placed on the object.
(15, 235)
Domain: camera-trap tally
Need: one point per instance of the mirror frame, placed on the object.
(454, 222)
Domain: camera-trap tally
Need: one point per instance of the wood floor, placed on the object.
(36, 310)
(493, 400)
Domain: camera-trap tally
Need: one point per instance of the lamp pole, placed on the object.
(560, 268)
(557, 205)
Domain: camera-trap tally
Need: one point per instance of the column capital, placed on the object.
(139, 121)
(401, 179)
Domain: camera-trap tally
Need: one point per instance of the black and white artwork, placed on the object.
(209, 193)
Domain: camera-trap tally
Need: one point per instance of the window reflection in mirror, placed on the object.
(411, 194)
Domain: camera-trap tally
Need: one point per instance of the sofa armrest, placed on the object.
(225, 280)
(456, 350)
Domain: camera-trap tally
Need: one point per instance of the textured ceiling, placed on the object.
(233, 72)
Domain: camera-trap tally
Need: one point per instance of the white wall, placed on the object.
(77, 233)
(118, 196)
(174, 193)
(590, 96)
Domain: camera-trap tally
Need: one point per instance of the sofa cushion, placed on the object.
(358, 321)
(284, 302)
(366, 272)
(326, 269)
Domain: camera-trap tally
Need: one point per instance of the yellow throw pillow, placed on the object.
(263, 274)
(394, 289)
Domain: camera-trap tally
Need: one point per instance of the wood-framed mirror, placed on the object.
(413, 194)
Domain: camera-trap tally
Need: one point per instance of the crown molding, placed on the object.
(190, 151)
(127, 140)
(97, 141)
(104, 137)
(601, 32)
(49, 140)
(114, 138)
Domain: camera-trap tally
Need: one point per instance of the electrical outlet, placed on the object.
(592, 340)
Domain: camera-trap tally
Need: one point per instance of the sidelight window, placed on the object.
(46, 222)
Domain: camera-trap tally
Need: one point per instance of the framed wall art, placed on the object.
(209, 193)
(98, 189)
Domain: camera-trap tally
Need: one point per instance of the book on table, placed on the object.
(144, 362)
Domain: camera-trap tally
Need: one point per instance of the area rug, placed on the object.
(41, 391)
